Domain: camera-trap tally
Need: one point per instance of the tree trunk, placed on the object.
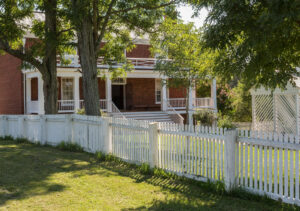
(50, 74)
(50, 91)
(88, 63)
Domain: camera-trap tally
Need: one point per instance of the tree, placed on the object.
(181, 56)
(258, 40)
(42, 54)
(112, 21)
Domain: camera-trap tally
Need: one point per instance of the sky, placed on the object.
(186, 12)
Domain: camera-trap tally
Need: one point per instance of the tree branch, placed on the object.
(145, 7)
(104, 25)
(19, 54)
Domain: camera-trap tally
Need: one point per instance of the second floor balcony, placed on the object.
(138, 63)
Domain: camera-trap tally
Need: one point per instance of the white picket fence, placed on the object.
(262, 163)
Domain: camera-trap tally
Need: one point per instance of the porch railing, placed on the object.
(180, 103)
(175, 116)
(66, 106)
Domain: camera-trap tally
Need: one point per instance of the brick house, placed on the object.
(141, 91)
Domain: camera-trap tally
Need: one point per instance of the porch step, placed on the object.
(156, 116)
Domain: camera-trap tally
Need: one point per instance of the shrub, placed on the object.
(100, 156)
(145, 169)
(21, 140)
(82, 112)
(225, 122)
(67, 146)
(204, 117)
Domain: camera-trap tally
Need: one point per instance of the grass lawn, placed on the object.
(44, 178)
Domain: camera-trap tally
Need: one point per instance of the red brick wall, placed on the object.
(101, 88)
(140, 51)
(11, 85)
(141, 92)
(34, 89)
(177, 92)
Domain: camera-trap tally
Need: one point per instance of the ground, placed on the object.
(44, 178)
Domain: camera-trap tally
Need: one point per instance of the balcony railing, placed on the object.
(74, 61)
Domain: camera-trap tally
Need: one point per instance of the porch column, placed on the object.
(190, 104)
(41, 95)
(213, 93)
(164, 97)
(76, 93)
(108, 94)
(28, 94)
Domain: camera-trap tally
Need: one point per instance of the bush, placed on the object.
(82, 112)
(204, 117)
(21, 140)
(100, 156)
(225, 122)
(67, 146)
(145, 169)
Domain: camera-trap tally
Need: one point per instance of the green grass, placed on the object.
(34, 177)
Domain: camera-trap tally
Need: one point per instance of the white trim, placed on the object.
(157, 80)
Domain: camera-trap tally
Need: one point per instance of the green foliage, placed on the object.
(204, 117)
(67, 146)
(100, 156)
(145, 169)
(82, 112)
(258, 40)
(7, 138)
(225, 122)
(240, 98)
(21, 140)
(180, 53)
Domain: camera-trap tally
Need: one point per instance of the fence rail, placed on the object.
(262, 163)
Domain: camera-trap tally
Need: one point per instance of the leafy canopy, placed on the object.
(180, 54)
(258, 40)
(19, 18)
(117, 23)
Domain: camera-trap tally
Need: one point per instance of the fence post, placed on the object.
(230, 159)
(43, 129)
(21, 127)
(68, 128)
(153, 143)
(108, 136)
(3, 126)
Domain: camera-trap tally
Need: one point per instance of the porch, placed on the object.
(130, 94)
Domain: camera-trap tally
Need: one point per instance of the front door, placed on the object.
(118, 96)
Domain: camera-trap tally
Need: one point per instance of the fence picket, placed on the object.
(267, 163)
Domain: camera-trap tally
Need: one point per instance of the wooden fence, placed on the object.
(259, 162)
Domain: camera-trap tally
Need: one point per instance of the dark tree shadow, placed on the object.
(27, 167)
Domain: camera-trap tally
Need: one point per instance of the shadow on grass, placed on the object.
(25, 169)
(25, 172)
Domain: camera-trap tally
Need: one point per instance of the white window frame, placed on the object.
(158, 91)
(64, 103)
(119, 81)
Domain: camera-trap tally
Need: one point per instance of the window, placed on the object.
(67, 89)
(157, 91)
(118, 81)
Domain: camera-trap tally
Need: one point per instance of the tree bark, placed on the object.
(50, 73)
(88, 61)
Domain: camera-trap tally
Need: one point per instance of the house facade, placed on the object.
(141, 91)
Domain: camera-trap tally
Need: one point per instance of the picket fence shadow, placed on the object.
(259, 162)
